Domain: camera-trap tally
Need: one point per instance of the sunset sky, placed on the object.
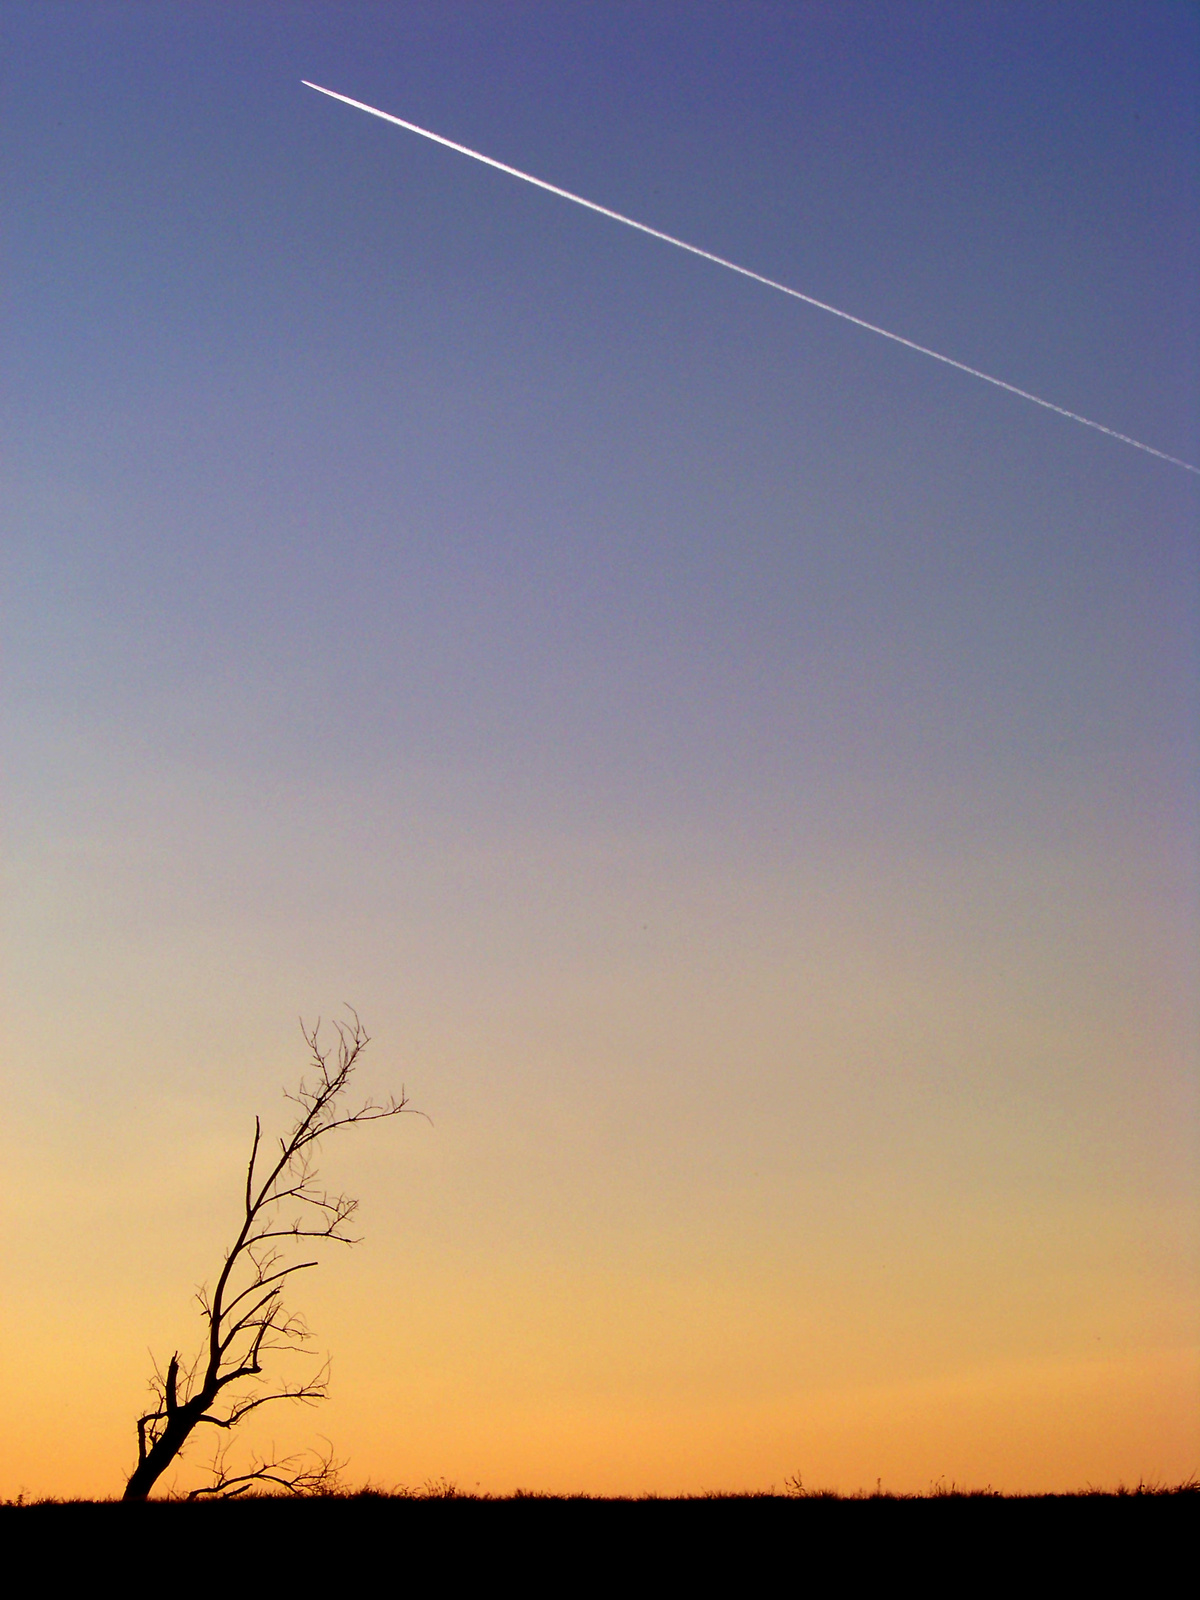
(743, 773)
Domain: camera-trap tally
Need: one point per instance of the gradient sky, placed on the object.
(743, 773)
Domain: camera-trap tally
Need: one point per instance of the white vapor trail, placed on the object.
(745, 272)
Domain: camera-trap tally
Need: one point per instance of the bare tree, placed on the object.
(245, 1317)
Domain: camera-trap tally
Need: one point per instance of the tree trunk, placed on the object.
(164, 1449)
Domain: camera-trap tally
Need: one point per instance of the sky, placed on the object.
(743, 773)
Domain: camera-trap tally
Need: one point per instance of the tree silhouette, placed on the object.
(245, 1317)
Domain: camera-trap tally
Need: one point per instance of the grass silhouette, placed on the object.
(948, 1538)
(794, 1489)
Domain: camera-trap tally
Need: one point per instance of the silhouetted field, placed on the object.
(439, 1534)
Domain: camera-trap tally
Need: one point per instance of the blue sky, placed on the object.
(624, 684)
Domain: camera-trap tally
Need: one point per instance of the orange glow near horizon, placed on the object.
(842, 1325)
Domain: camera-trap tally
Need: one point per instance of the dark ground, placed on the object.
(751, 1543)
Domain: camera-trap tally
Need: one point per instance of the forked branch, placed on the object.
(310, 1472)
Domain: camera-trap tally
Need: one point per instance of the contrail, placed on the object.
(783, 288)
